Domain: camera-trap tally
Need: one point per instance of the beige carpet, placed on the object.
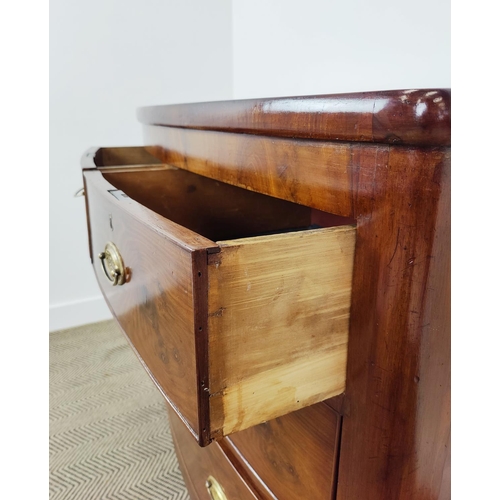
(109, 433)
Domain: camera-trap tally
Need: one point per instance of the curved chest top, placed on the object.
(410, 117)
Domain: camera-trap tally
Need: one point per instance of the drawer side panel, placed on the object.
(278, 324)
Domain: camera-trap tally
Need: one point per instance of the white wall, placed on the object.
(287, 47)
(106, 59)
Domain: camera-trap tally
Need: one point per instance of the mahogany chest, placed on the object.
(281, 267)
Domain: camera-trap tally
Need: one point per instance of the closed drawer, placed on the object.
(296, 455)
(208, 473)
(237, 303)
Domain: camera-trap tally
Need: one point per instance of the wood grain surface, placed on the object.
(278, 324)
(295, 459)
(117, 157)
(397, 402)
(294, 170)
(415, 116)
(280, 343)
(382, 159)
(395, 436)
(213, 209)
(197, 464)
(155, 307)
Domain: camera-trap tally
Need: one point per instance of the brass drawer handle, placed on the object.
(215, 489)
(112, 264)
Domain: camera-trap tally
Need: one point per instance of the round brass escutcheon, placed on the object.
(215, 489)
(112, 264)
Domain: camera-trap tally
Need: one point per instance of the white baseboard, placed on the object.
(82, 312)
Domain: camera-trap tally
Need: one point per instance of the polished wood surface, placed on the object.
(156, 306)
(197, 464)
(418, 117)
(278, 324)
(295, 459)
(396, 408)
(321, 175)
(397, 402)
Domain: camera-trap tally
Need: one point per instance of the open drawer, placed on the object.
(236, 303)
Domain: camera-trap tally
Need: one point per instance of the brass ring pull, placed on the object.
(112, 264)
(215, 489)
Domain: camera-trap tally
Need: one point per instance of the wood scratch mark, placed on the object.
(218, 313)
(395, 248)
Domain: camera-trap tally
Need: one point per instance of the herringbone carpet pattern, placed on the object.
(109, 432)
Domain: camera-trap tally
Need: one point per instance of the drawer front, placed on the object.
(199, 465)
(157, 307)
(296, 455)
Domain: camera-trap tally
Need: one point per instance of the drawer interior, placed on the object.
(214, 209)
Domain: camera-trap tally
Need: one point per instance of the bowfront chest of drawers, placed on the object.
(281, 269)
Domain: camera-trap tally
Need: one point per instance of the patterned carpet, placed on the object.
(109, 432)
